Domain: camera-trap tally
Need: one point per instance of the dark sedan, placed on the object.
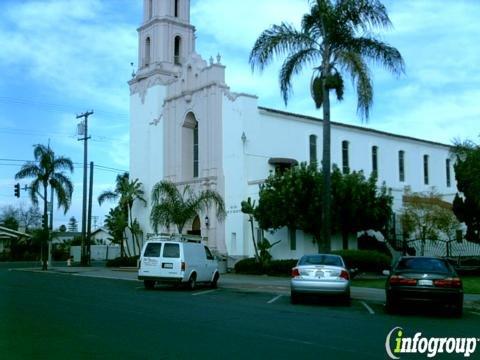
(428, 280)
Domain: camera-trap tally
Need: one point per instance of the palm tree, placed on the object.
(127, 192)
(47, 170)
(336, 39)
(171, 206)
(116, 223)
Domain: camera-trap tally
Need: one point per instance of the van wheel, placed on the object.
(149, 284)
(214, 283)
(192, 282)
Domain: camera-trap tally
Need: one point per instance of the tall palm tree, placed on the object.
(127, 192)
(336, 38)
(47, 170)
(172, 206)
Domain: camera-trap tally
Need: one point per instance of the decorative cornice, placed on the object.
(233, 96)
(142, 85)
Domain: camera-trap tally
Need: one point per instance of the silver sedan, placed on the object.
(323, 274)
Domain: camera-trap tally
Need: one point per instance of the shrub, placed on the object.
(123, 261)
(364, 260)
(281, 267)
(273, 267)
(249, 266)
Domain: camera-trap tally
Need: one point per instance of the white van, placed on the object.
(177, 262)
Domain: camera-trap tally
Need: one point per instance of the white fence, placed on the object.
(97, 252)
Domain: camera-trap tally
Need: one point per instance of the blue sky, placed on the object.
(60, 58)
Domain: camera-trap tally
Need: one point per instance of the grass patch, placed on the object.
(471, 284)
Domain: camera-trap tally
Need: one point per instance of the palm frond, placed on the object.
(363, 14)
(64, 181)
(379, 52)
(164, 189)
(63, 197)
(63, 163)
(292, 66)
(29, 169)
(278, 40)
(107, 196)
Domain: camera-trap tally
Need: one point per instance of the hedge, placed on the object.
(123, 261)
(274, 267)
(365, 260)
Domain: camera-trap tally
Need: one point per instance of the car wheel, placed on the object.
(149, 284)
(294, 297)
(346, 300)
(192, 282)
(458, 309)
(390, 306)
(214, 283)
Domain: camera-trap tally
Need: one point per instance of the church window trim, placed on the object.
(313, 149)
(448, 173)
(345, 155)
(195, 151)
(375, 159)
(401, 165)
(425, 170)
(148, 50)
(177, 50)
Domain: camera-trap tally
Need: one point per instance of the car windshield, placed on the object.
(321, 260)
(425, 265)
(152, 250)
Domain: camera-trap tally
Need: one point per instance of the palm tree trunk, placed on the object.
(136, 244)
(45, 228)
(257, 258)
(325, 245)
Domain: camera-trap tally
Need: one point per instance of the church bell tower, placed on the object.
(166, 37)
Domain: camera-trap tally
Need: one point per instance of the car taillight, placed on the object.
(400, 280)
(344, 275)
(295, 272)
(184, 266)
(448, 283)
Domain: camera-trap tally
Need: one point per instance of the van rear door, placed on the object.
(170, 261)
(151, 259)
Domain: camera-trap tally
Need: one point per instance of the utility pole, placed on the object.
(83, 131)
(89, 223)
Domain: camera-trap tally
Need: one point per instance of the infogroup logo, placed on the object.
(398, 344)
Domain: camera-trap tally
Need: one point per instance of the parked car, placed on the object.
(430, 280)
(321, 274)
(177, 262)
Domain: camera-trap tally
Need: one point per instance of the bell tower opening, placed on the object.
(177, 50)
(190, 159)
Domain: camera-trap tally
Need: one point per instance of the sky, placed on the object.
(60, 58)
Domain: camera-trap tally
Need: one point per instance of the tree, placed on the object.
(30, 218)
(357, 204)
(336, 38)
(127, 192)
(9, 217)
(116, 223)
(172, 206)
(294, 199)
(428, 217)
(48, 170)
(466, 204)
(248, 208)
(72, 224)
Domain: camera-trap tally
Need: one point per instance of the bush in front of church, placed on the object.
(273, 267)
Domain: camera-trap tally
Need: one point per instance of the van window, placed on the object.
(208, 253)
(171, 251)
(152, 250)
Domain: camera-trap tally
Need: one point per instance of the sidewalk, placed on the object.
(254, 283)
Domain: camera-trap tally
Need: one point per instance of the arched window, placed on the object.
(176, 8)
(447, 167)
(345, 160)
(177, 53)
(147, 51)
(190, 153)
(425, 169)
(375, 159)
(401, 165)
(313, 149)
(150, 9)
(195, 151)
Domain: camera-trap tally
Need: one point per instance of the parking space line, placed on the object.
(475, 312)
(203, 292)
(370, 310)
(274, 299)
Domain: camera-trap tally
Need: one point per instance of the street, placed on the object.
(58, 316)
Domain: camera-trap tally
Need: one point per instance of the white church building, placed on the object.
(189, 127)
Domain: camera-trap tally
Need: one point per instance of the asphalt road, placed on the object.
(61, 316)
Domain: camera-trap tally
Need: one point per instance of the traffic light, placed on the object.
(16, 190)
(44, 221)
